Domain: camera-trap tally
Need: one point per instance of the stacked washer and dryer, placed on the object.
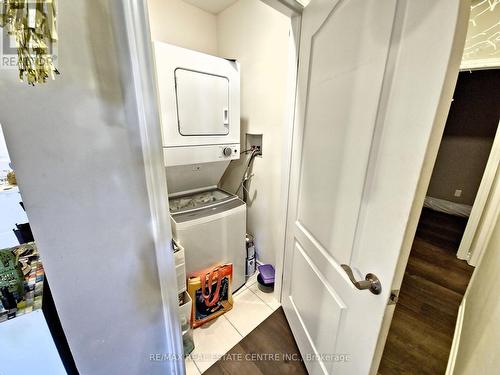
(199, 99)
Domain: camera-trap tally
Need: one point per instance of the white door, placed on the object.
(375, 78)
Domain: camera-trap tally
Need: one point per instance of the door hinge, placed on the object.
(393, 299)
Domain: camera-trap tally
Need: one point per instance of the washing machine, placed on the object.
(210, 225)
(199, 99)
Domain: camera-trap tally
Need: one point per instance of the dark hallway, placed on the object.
(435, 281)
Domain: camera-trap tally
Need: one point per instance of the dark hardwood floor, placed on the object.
(422, 329)
(272, 338)
(435, 281)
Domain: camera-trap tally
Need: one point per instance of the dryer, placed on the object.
(199, 98)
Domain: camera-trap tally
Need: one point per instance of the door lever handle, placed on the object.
(370, 282)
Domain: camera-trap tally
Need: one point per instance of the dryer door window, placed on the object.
(202, 103)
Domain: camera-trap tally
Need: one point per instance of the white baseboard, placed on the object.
(456, 339)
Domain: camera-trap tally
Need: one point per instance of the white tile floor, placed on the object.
(216, 338)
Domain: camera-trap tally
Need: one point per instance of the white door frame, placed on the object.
(293, 10)
(480, 64)
(136, 25)
(492, 215)
(145, 98)
(478, 229)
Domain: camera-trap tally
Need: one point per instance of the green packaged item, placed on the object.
(10, 274)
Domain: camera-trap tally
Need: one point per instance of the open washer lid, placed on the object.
(199, 200)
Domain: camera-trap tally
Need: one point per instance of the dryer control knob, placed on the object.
(227, 151)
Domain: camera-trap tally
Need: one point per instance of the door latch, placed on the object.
(394, 297)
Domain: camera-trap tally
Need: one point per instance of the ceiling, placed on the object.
(483, 35)
(212, 6)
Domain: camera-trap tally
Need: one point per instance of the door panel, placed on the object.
(369, 96)
(341, 106)
(320, 324)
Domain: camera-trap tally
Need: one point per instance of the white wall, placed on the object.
(459, 165)
(11, 213)
(4, 154)
(478, 348)
(79, 165)
(32, 358)
(257, 36)
(182, 24)
(468, 137)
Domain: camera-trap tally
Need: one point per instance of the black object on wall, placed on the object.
(23, 233)
(55, 327)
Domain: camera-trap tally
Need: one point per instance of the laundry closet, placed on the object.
(223, 80)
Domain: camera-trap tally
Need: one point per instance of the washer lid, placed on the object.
(208, 211)
(198, 200)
